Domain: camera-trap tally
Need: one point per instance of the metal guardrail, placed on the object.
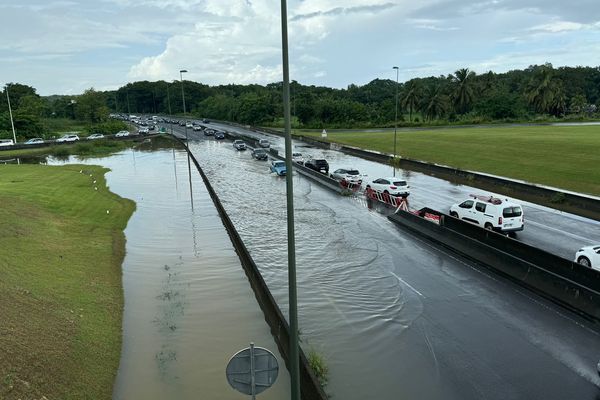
(554, 277)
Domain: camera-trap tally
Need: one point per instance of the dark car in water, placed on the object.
(220, 135)
(259, 154)
(317, 164)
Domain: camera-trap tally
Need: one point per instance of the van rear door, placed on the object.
(512, 217)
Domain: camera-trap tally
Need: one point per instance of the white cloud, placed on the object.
(243, 50)
(70, 45)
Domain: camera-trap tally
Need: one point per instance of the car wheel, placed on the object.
(489, 227)
(512, 234)
(454, 214)
(584, 261)
(386, 192)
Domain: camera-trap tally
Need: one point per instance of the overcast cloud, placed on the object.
(67, 46)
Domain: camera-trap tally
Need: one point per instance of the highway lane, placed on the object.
(393, 315)
(554, 231)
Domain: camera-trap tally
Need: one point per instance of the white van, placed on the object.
(490, 213)
(6, 142)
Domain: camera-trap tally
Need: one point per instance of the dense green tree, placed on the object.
(462, 94)
(91, 106)
(411, 98)
(577, 104)
(435, 103)
(546, 93)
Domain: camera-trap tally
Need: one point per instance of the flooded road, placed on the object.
(393, 315)
(188, 304)
(557, 232)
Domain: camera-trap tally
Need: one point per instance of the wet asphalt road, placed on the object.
(395, 316)
(554, 231)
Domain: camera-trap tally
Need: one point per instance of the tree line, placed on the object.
(539, 92)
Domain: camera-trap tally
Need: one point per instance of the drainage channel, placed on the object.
(188, 305)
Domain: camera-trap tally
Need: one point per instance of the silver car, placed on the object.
(350, 175)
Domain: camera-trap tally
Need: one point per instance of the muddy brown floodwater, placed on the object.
(188, 304)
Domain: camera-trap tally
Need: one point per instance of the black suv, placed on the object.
(319, 165)
(259, 154)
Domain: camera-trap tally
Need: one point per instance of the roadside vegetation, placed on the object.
(319, 366)
(562, 156)
(539, 93)
(61, 231)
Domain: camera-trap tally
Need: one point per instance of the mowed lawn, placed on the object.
(61, 297)
(567, 157)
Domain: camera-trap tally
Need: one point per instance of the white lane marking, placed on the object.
(562, 232)
(407, 284)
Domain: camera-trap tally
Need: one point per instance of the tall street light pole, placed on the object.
(170, 115)
(12, 124)
(396, 119)
(294, 352)
(181, 72)
(183, 97)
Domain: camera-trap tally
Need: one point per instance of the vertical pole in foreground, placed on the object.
(183, 98)
(170, 114)
(186, 139)
(12, 124)
(293, 353)
(396, 118)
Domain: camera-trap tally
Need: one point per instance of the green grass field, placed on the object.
(567, 157)
(61, 295)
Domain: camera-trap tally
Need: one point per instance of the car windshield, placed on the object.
(259, 151)
(279, 164)
(353, 172)
(296, 154)
(400, 183)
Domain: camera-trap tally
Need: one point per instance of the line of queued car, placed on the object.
(66, 138)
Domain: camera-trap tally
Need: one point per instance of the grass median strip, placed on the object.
(61, 299)
(562, 156)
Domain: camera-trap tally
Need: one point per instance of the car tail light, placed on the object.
(393, 187)
(499, 220)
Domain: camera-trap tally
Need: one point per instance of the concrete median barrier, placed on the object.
(309, 384)
(556, 278)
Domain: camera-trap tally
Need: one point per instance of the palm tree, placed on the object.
(410, 100)
(463, 89)
(540, 91)
(435, 104)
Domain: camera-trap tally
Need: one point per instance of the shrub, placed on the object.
(317, 364)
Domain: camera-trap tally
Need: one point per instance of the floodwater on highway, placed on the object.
(188, 304)
(392, 315)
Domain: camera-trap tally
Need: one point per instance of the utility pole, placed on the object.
(396, 119)
(294, 359)
(12, 124)
(170, 115)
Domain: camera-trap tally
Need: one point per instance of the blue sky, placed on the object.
(67, 46)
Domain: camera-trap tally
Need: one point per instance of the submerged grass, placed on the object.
(61, 296)
(562, 156)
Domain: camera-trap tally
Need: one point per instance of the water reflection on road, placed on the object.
(188, 303)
